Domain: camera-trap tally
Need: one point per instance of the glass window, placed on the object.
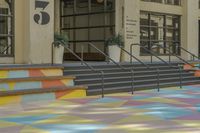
(6, 28)
(159, 29)
(170, 2)
(88, 21)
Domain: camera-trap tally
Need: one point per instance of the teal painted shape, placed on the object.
(18, 74)
(28, 85)
(4, 87)
(38, 97)
(28, 119)
(71, 128)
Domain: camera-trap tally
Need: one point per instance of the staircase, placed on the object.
(25, 83)
(118, 80)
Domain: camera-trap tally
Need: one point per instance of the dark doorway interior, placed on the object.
(87, 21)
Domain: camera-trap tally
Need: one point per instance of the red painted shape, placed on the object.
(62, 93)
(35, 73)
(197, 73)
(187, 67)
(52, 83)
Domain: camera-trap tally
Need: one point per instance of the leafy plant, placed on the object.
(115, 40)
(60, 39)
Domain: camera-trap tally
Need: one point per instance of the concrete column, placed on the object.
(131, 26)
(189, 27)
(39, 31)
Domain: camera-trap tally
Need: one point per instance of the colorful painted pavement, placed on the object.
(172, 110)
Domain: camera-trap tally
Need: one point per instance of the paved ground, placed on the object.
(171, 111)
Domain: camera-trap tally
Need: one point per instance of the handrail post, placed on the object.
(151, 59)
(132, 83)
(181, 78)
(158, 80)
(52, 54)
(82, 49)
(131, 49)
(102, 83)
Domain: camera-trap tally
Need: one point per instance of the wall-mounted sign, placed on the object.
(42, 17)
(130, 24)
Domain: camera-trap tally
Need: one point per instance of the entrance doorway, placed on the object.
(199, 40)
(85, 21)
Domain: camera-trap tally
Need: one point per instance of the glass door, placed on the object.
(85, 21)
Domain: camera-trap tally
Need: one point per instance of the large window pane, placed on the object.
(6, 28)
(163, 30)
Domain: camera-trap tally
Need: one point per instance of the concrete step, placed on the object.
(139, 87)
(41, 94)
(25, 71)
(35, 82)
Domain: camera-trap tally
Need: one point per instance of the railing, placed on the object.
(82, 61)
(171, 54)
(193, 56)
(152, 54)
(157, 70)
(119, 65)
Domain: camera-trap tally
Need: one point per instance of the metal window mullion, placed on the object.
(89, 25)
(105, 19)
(74, 21)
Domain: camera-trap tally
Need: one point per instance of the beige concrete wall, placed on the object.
(32, 41)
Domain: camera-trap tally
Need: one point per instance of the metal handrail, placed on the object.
(92, 45)
(132, 56)
(82, 61)
(181, 48)
(157, 69)
(170, 54)
(120, 66)
(152, 54)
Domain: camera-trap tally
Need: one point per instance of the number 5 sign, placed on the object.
(43, 17)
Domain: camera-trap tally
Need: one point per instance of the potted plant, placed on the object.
(114, 43)
(60, 42)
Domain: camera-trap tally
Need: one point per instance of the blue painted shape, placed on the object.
(38, 97)
(180, 96)
(28, 85)
(71, 128)
(142, 97)
(28, 119)
(18, 74)
(164, 111)
(198, 107)
(4, 87)
(107, 100)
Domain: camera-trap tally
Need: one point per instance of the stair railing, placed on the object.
(82, 61)
(157, 69)
(193, 56)
(117, 64)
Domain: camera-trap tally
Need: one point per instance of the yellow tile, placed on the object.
(75, 94)
(4, 124)
(52, 72)
(29, 129)
(3, 74)
(9, 100)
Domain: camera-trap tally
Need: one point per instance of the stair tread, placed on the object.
(35, 78)
(137, 81)
(135, 76)
(28, 67)
(140, 86)
(117, 68)
(136, 72)
(40, 90)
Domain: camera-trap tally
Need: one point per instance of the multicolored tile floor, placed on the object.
(172, 110)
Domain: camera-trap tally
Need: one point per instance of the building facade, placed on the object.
(27, 28)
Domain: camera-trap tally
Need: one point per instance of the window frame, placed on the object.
(165, 41)
(11, 35)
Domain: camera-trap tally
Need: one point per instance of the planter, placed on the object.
(58, 55)
(114, 52)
